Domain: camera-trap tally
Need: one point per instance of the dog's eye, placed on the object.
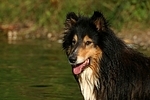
(88, 42)
(73, 42)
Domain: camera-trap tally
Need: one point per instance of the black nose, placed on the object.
(72, 59)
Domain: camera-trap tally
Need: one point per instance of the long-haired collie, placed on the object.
(104, 67)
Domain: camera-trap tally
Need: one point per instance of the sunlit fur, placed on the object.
(88, 79)
(115, 71)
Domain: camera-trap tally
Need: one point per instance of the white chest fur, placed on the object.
(88, 82)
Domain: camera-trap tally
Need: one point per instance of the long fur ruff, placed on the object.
(104, 67)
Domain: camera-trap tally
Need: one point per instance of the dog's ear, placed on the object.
(71, 19)
(99, 21)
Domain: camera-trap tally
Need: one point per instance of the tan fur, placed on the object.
(88, 79)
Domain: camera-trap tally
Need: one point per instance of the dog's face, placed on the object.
(81, 53)
(81, 41)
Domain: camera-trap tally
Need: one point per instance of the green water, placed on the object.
(35, 70)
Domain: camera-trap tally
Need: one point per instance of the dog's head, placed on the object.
(81, 40)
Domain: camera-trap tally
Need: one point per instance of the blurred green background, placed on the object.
(49, 15)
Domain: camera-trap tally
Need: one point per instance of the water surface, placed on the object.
(35, 70)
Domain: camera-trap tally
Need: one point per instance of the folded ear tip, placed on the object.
(99, 20)
(71, 19)
(71, 15)
(98, 13)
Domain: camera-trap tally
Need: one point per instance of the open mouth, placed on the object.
(77, 69)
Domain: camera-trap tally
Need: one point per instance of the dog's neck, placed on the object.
(89, 84)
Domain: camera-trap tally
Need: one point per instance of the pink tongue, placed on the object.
(77, 69)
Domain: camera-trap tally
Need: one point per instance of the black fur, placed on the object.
(124, 72)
